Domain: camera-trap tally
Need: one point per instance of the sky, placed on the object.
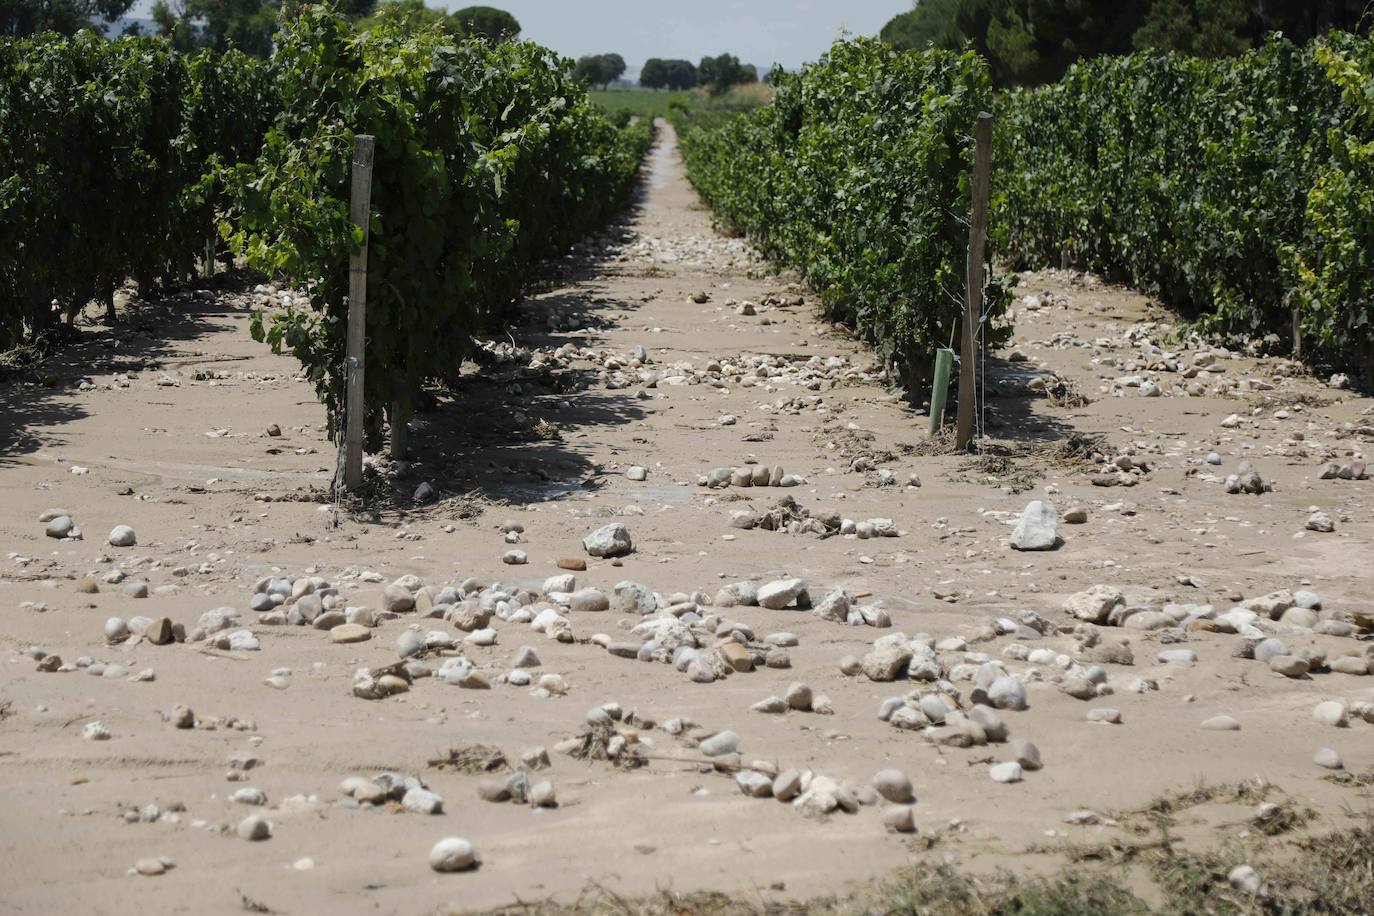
(760, 32)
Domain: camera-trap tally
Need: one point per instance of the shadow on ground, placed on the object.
(37, 398)
(514, 435)
(560, 305)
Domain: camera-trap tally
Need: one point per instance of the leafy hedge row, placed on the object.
(109, 153)
(488, 156)
(857, 174)
(1239, 189)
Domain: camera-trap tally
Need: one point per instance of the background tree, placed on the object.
(668, 74)
(682, 74)
(1027, 42)
(599, 69)
(485, 22)
(1203, 28)
(930, 23)
(1303, 20)
(19, 18)
(654, 74)
(465, 23)
(613, 67)
(411, 14)
(246, 25)
(723, 71)
(174, 23)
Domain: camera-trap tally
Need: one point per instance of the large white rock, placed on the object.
(1333, 713)
(611, 540)
(887, 660)
(1095, 604)
(452, 854)
(1007, 693)
(778, 595)
(1005, 772)
(122, 536)
(1036, 531)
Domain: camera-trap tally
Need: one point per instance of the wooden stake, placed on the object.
(973, 304)
(359, 212)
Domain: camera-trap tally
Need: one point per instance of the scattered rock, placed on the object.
(254, 827)
(719, 744)
(420, 800)
(1221, 724)
(1026, 754)
(349, 633)
(1095, 604)
(611, 540)
(899, 818)
(1036, 530)
(60, 527)
(452, 854)
(122, 536)
(1245, 879)
(1005, 772)
(1328, 758)
(397, 599)
(894, 785)
(780, 594)
(1320, 521)
(150, 868)
(542, 795)
(1333, 713)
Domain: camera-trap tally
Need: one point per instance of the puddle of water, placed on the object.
(670, 496)
(573, 489)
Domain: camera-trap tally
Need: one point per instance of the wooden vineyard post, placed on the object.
(359, 212)
(973, 303)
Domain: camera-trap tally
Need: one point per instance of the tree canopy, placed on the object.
(19, 18)
(599, 69)
(668, 74)
(485, 22)
(469, 22)
(1028, 42)
(247, 25)
(723, 71)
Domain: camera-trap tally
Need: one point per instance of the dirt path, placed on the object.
(217, 504)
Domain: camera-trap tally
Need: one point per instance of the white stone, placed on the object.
(1036, 530)
(1005, 772)
(611, 540)
(1328, 758)
(122, 536)
(893, 785)
(255, 827)
(778, 595)
(422, 801)
(452, 854)
(1245, 879)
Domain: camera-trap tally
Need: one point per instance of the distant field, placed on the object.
(642, 102)
(654, 102)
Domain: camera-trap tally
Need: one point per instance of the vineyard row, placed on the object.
(1240, 191)
(127, 159)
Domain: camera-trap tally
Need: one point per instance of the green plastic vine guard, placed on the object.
(939, 387)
